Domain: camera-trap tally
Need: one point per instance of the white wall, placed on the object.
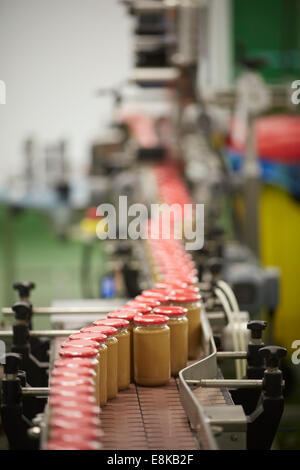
(54, 54)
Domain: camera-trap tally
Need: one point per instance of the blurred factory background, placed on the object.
(66, 66)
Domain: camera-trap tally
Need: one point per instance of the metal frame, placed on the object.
(221, 426)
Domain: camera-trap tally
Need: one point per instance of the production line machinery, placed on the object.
(199, 409)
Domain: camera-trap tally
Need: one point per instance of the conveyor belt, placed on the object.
(147, 418)
(152, 418)
(144, 418)
(210, 396)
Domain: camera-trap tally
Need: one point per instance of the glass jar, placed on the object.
(123, 337)
(190, 301)
(112, 357)
(127, 313)
(151, 348)
(178, 324)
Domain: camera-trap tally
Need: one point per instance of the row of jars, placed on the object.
(146, 341)
(139, 342)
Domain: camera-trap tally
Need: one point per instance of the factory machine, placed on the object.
(181, 359)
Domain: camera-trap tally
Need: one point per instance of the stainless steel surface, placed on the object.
(35, 391)
(225, 383)
(231, 423)
(200, 402)
(35, 333)
(63, 310)
(231, 355)
(208, 368)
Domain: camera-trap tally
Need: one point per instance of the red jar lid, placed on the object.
(161, 286)
(188, 289)
(142, 308)
(151, 302)
(72, 372)
(98, 337)
(176, 287)
(79, 343)
(71, 423)
(184, 297)
(78, 352)
(78, 412)
(61, 444)
(77, 434)
(175, 277)
(115, 322)
(70, 381)
(74, 404)
(174, 270)
(126, 313)
(72, 396)
(71, 419)
(155, 294)
(77, 363)
(170, 311)
(62, 390)
(106, 330)
(149, 320)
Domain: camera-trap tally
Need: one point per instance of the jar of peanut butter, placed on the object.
(112, 356)
(178, 325)
(190, 301)
(127, 313)
(151, 348)
(100, 339)
(123, 337)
